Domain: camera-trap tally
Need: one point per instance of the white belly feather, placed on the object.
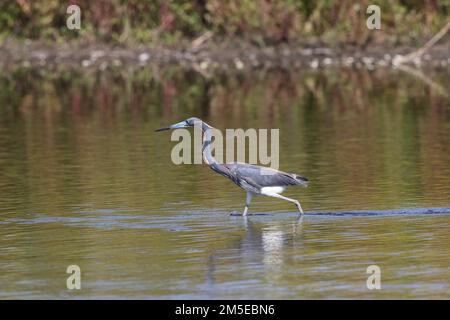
(271, 190)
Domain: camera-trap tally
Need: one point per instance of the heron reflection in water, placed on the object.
(252, 178)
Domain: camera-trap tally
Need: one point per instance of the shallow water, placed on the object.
(85, 180)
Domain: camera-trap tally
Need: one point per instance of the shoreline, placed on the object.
(213, 56)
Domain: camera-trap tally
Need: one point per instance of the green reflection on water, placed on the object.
(85, 180)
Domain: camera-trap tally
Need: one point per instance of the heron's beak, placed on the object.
(162, 129)
(182, 124)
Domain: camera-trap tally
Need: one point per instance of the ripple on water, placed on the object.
(192, 219)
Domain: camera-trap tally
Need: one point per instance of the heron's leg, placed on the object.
(247, 202)
(279, 196)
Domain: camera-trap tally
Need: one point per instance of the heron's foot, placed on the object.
(235, 213)
(299, 207)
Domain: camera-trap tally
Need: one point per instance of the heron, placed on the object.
(256, 180)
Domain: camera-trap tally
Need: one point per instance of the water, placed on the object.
(85, 180)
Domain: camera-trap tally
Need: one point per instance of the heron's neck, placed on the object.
(207, 140)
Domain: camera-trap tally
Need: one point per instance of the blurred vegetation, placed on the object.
(256, 21)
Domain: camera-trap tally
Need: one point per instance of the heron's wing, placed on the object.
(265, 177)
(230, 172)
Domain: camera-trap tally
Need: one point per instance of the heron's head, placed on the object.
(191, 122)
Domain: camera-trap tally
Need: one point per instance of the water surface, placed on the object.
(85, 180)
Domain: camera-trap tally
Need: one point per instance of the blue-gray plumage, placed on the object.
(256, 180)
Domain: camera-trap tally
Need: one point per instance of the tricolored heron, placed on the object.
(247, 176)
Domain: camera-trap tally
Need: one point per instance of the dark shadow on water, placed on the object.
(408, 211)
(355, 213)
